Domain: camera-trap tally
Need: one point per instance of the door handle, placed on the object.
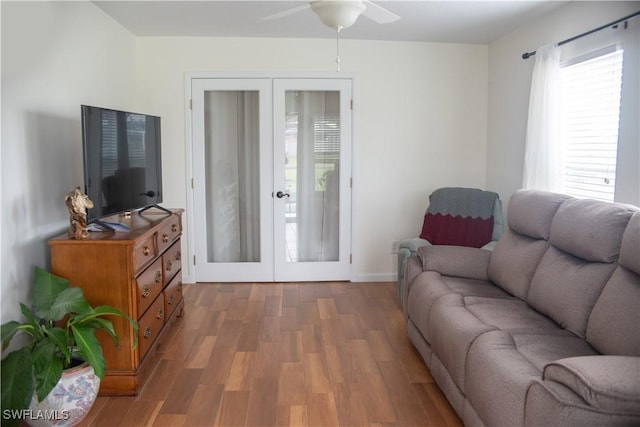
(280, 195)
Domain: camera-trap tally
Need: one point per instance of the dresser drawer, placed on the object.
(172, 295)
(150, 325)
(172, 261)
(144, 252)
(149, 286)
(169, 232)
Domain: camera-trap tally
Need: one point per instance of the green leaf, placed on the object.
(46, 288)
(17, 383)
(106, 310)
(104, 324)
(26, 312)
(89, 347)
(58, 336)
(32, 325)
(8, 330)
(47, 368)
(68, 301)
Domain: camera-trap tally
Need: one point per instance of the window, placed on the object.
(591, 88)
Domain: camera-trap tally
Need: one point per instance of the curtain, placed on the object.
(543, 148)
(232, 173)
(318, 169)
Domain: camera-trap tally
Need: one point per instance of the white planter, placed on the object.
(70, 400)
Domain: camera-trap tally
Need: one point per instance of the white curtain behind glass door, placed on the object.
(312, 151)
(232, 176)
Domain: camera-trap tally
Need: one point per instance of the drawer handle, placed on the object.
(145, 292)
(160, 314)
(169, 265)
(158, 276)
(165, 238)
(146, 251)
(170, 302)
(147, 332)
(178, 255)
(174, 228)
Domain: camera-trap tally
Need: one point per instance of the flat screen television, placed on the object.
(122, 161)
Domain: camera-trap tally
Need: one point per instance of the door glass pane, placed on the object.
(232, 153)
(312, 175)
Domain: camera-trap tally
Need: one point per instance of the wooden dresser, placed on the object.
(137, 272)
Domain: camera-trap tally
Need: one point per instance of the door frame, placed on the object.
(189, 230)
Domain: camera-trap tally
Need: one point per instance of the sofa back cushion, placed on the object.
(513, 262)
(530, 212)
(585, 242)
(565, 288)
(590, 229)
(520, 249)
(615, 320)
(630, 248)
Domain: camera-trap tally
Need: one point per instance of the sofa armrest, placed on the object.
(606, 383)
(413, 244)
(457, 261)
(406, 249)
(491, 245)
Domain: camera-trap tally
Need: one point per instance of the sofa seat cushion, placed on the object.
(452, 329)
(429, 286)
(475, 288)
(497, 377)
(540, 350)
(609, 383)
(511, 315)
(506, 363)
(538, 338)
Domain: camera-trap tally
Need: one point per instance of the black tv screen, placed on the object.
(122, 160)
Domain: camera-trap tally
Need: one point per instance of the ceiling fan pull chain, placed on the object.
(338, 48)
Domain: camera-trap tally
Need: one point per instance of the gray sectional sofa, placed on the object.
(544, 330)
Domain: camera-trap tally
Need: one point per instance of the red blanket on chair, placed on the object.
(459, 216)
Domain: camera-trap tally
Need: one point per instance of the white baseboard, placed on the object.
(376, 277)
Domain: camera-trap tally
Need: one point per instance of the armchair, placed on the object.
(455, 216)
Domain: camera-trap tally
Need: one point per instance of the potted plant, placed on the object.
(60, 329)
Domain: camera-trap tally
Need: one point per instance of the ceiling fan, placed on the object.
(339, 14)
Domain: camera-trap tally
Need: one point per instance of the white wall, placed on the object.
(510, 82)
(55, 57)
(421, 121)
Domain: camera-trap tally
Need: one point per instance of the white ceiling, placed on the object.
(454, 21)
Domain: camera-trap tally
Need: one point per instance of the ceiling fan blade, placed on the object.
(379, 13)
(286, 12)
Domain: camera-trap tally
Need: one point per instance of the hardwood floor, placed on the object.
(308, 354)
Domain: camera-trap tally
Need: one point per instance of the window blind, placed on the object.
(591, 109)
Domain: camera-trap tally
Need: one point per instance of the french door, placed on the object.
(272, 172)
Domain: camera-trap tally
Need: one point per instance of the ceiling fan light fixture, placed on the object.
(338, 14)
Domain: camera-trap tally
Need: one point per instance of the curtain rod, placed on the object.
(528, 55)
